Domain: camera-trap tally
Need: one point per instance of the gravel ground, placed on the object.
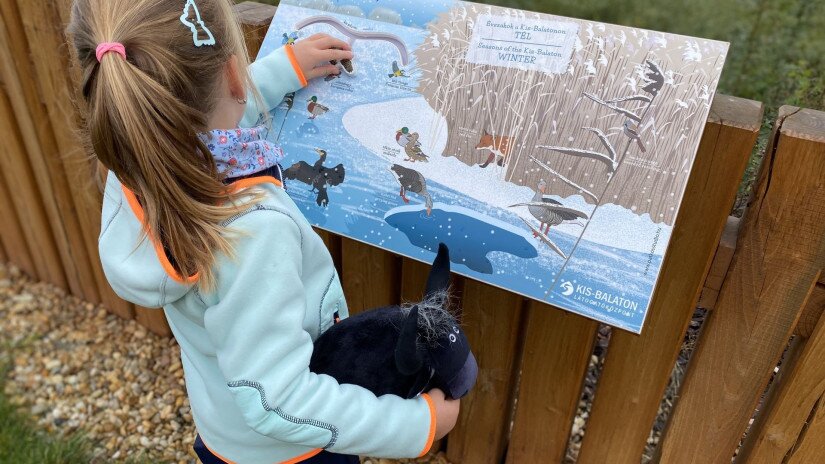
(76, 367)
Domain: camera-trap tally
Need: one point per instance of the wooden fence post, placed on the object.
(557, 349)
(12, 232)
(255, 19)
(371, 277)
(637, 368)
(797, 395)
(493, 323)
(779, 258)
(27, 90)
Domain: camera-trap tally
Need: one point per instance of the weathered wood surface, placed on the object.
(557, 349)
(254, 18)
(371, 277)
(812, 312)
(720, 264)
(779, 259)
(12, 233)
(637, 368)
(811, 446)
(797, 394)
(493, 324)
(28, 91)
(17, 171)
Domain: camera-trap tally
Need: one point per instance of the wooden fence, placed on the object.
(762, 277)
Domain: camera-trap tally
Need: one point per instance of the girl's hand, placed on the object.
(446, 413)
(315, 53)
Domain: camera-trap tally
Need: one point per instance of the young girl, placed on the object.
(196, 220)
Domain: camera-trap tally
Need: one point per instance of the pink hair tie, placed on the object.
(107, 47)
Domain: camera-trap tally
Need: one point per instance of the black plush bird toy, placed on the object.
(402, 350)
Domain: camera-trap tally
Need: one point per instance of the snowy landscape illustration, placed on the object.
(549, 153)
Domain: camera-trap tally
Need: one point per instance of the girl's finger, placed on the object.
(323, 71)
(331, 42)
(316, 36)
(333, 54)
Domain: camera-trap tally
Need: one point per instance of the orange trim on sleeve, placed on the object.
(431, 436)
(290, 53)
(170, 270)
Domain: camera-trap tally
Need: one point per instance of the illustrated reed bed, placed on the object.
(530, 109)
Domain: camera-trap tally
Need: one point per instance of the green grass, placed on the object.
(23, 442)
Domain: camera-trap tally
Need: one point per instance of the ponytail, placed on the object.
(145, 111)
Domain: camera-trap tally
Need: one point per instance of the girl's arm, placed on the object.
(264, 352)
(288, 68)
(275, 75)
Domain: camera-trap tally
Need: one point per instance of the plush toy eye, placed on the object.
(452, 338)
(455, 329)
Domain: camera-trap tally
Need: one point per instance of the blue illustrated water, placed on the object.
(490, 244)
(470, 236)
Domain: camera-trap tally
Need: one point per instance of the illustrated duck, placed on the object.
(549, 212)
(413, 181)
(315, 109)
(412, 147)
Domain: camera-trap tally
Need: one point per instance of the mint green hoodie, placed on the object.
(246, 346)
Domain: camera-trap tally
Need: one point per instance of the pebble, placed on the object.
(75, 366)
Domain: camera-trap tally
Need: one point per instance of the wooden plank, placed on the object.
(333, 244)
(557, 351)
(492, 320)
(11, 233)
(26, 97)
(19, 178)
(796, 394)
(413, 279)
(73, 173)
(812, 312)
(811, 447)
(637, 368)
(778, 261)
(254, 18)
(371, 277)
(720, 264)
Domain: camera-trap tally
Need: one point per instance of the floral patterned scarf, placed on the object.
(242, 152)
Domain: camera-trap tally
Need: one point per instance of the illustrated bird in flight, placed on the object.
(290, 38)
(396, 71)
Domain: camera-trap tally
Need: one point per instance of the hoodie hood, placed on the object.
(135, 266)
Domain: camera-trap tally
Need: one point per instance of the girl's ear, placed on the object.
(408, 358)
(234, 78)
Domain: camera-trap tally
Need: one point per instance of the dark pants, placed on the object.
(323, 457)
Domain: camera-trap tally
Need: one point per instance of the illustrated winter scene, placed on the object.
(549, 153)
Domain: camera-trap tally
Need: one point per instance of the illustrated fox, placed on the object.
(498, 146)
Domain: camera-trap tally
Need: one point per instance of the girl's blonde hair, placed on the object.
(144, 114)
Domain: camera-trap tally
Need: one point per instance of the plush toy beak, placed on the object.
(464, 380)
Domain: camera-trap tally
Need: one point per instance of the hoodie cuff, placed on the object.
(431, 433)
(290, 53)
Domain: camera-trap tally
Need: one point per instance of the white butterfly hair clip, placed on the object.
(191, 18)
